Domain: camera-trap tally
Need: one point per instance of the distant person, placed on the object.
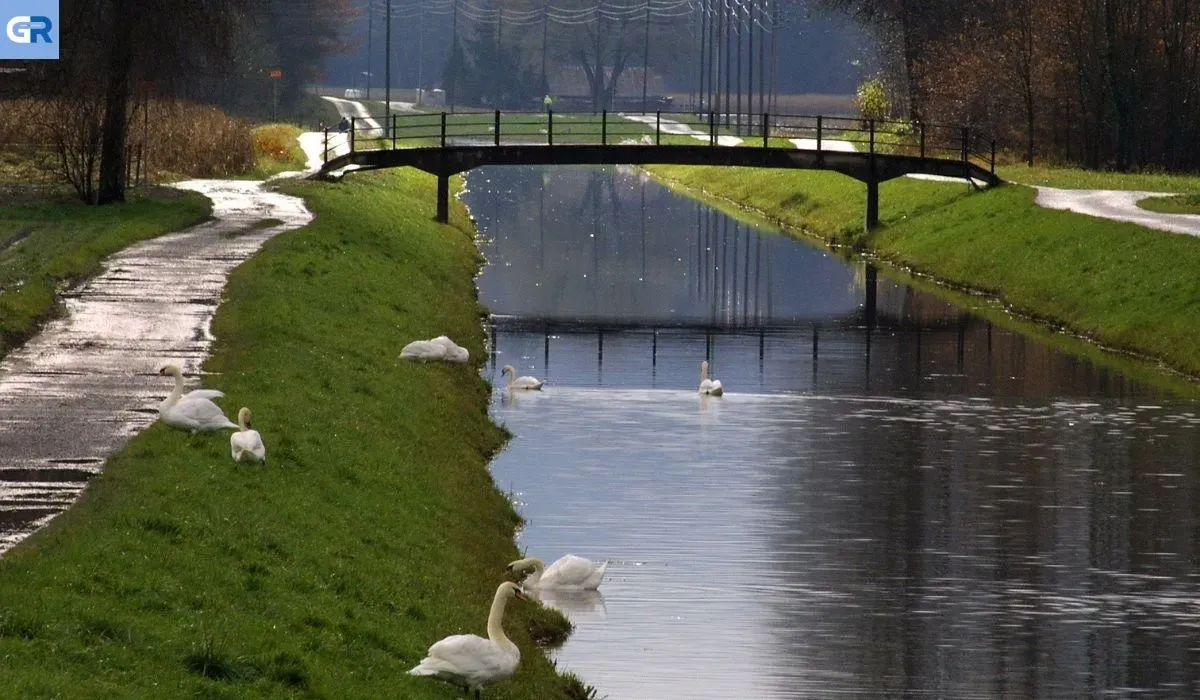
(547, 102)
(344, 125)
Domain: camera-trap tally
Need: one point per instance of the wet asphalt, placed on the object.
(79, 390)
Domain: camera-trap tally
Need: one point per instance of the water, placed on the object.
(894, 498)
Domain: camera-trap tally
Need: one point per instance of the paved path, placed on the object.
(1119, 205)
(79, 390)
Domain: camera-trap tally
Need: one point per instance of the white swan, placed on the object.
(569, 571)
(194, 412)
(454, 352)
(470, 661)
(424, 350)
(246, 444)
(515, 382)
(436, 349)
(712, 387)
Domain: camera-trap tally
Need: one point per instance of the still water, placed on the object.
(893, 498)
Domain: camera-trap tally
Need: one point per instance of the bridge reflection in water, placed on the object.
(604, 277)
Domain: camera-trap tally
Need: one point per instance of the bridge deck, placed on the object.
(869, 151)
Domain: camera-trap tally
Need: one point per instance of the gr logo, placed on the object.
(30, 29)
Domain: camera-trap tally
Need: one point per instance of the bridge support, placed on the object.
(872, 204)
(443, 199)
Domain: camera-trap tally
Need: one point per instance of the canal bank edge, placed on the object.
(375, 529)
(1119, 287)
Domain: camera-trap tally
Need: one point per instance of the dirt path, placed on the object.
(79, 390)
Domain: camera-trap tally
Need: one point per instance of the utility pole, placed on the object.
(645, 58)
(387, 70)
(450, 86)
(545, 19)
(420, 54)
(369, 23)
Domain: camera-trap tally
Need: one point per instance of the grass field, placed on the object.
(375, 529)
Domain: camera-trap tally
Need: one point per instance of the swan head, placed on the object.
(508, 589)
(171, 370)
(244, 417)
(521, 565)
(508, 369)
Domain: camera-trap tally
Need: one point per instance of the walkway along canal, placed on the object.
(86, 384)
(910, 502)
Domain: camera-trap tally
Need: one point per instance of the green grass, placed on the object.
(1125, 287)
(57, 243)
(375, 530)
(1078, 178)
(1183, 204)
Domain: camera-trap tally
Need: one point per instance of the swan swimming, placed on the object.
(569, 571)
(470, 661)
(194, 412)
(436, 349)
(712, 387)
(246, 444)
(515, 382)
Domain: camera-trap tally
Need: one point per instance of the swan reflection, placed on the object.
(576, 604)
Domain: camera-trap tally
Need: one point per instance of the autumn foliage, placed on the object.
(1101, 83)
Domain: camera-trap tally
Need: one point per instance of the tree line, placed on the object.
(117, 54)
(1111, 84)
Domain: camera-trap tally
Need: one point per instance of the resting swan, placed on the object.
(194, 412)
(515, 382)
(470, 661)
(712, 387)
(569, 571)
(437, 349)
(246, 445)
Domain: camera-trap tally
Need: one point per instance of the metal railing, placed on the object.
(783, 131)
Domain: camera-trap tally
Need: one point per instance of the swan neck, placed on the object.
(176, 392)
(495, 624)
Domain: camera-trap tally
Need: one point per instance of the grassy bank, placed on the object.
(51, 241)
(374, 531)
(1120, 285)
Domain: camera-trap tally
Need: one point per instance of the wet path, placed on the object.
(76, 392)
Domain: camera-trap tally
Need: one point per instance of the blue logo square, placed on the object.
(30, 29)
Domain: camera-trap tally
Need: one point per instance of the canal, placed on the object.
(894, 498)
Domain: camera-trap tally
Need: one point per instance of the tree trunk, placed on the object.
(111, 187)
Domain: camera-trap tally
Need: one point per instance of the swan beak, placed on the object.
(520, 595)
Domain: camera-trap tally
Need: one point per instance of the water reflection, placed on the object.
(585, 245)
(894, 498)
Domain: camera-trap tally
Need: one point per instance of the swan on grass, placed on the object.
(195, 411)
(515, 382)
(569, 571)
(470, 661)
(439, 349)
(710, 387)
(246, 444)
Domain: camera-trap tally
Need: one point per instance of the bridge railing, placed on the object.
(784, 131)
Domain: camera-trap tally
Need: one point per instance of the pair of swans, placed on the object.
(525, 383)
(439, 349)
(709, 387)
(470, 661)
(196, 412)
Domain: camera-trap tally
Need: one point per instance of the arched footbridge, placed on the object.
(870, 151)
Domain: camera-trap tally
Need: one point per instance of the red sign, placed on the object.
(276, 74)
